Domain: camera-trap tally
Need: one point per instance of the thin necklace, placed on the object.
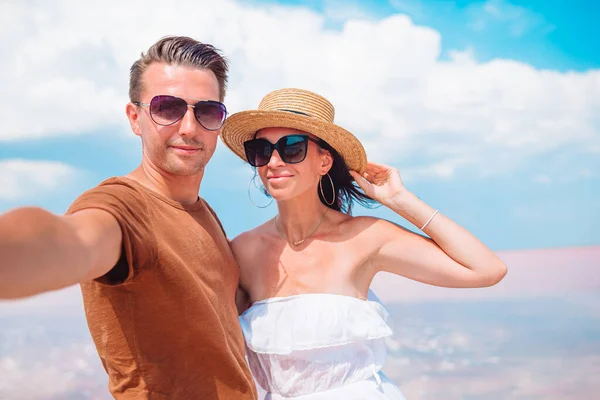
(299, 242)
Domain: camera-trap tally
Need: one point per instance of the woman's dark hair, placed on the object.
(346, 190)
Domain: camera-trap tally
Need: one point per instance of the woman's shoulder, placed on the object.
(250, 241)
(368, 228)
(361, 222)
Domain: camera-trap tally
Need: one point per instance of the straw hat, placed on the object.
(297, 109)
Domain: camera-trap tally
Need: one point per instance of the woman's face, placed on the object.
(285, 181)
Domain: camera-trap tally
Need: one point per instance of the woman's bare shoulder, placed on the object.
(356, 224)
(250, 242)
(369, 227)
(364, 222)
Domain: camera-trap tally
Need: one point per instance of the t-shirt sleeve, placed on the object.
(129, 207)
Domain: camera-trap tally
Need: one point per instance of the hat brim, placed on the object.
(242, 126)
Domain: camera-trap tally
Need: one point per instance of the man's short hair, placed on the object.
(183, 51)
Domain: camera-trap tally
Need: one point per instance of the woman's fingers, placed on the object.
(362, 181)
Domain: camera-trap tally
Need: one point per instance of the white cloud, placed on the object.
(23, 179)
(24, 382)
(69, 65)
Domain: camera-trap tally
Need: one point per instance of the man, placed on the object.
(157, 275)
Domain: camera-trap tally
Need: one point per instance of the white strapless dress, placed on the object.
(319, 347)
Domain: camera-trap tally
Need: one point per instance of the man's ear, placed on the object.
(133, 115)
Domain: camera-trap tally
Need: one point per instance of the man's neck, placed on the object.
(182, 189)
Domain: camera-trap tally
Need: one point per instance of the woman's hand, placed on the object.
(380, 182)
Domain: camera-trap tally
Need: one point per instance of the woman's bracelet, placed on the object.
(429, 220)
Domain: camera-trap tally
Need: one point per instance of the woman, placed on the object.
(311, 333)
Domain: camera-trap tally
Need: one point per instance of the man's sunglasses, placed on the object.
(167, 110)
(292, 149)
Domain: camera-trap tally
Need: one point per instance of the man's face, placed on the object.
(185, 147)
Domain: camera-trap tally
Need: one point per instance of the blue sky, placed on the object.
(492, 118)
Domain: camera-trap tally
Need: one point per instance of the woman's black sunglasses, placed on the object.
(292, 149)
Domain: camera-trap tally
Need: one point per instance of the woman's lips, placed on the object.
(278, 178)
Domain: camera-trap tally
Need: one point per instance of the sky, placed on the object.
(490, 110)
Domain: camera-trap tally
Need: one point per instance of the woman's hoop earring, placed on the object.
(250, 196)
(332, 189)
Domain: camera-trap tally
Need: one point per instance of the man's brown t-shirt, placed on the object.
(164, 319)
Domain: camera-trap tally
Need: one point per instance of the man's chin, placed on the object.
(180, 169)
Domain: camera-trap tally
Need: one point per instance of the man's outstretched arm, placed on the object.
(41, 251)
